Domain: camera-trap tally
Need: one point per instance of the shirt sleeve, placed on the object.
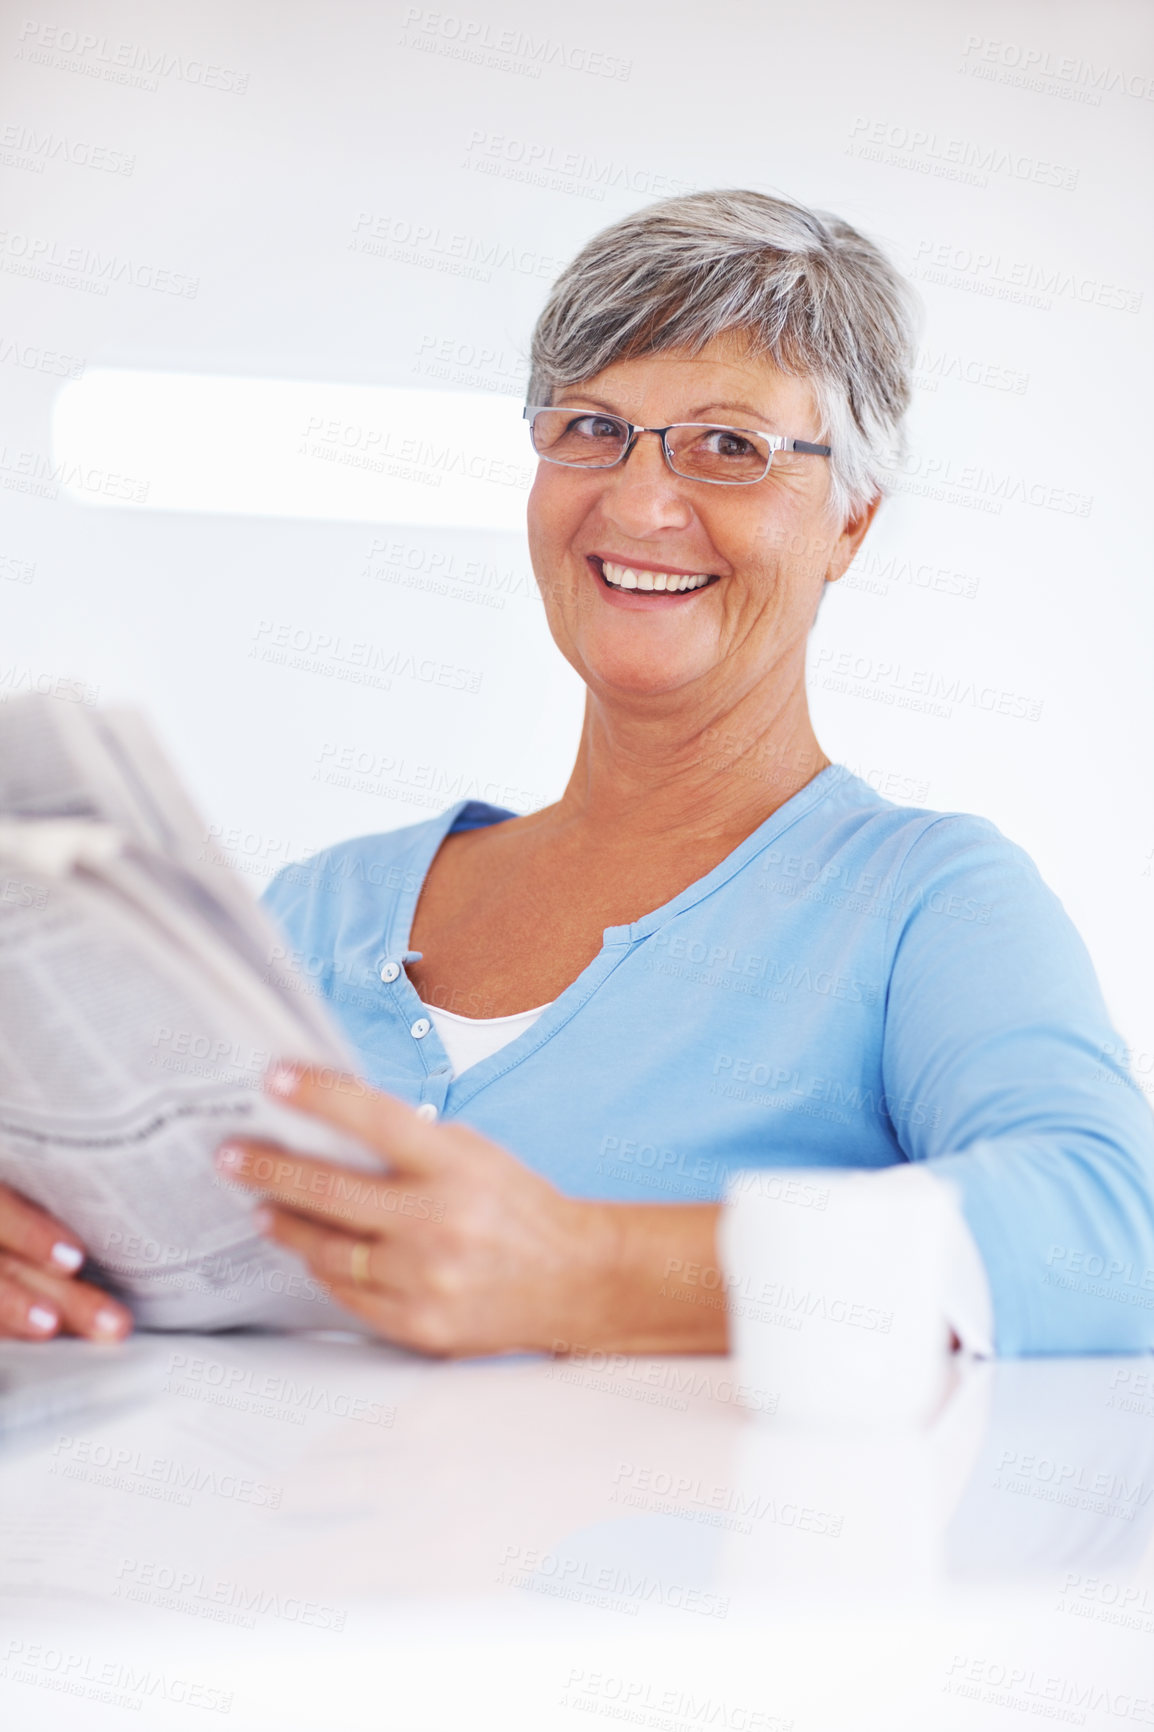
(1003, 1073)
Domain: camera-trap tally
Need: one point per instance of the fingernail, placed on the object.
(282, 1080)
(110, 1324)
(230, 1156)
(40, 1317)
(67, 1256)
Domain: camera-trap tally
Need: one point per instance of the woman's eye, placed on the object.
(594, 427)
(726, 443)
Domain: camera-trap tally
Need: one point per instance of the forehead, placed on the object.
(722, 380)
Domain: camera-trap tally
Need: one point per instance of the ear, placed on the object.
(853, 534)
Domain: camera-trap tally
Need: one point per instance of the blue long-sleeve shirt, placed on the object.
(857, 984)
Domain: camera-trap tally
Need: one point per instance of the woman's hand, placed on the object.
(38, 1296)
(459, 1248)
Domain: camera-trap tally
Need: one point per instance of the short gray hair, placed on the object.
(803, 286)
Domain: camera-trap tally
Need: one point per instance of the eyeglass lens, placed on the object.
(699, 452)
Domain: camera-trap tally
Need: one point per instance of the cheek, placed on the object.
(792, 548)
(554, 509)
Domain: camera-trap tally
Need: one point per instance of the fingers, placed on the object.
(380, 1121)
(35, 1305)
(356, 1201)
(424, 1327)
(336, 1258)
(23, 1315)
(377, 1280)
(37, 1236)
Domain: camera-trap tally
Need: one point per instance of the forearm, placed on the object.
(648, 1281)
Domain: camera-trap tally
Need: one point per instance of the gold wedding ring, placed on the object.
(359, 1263)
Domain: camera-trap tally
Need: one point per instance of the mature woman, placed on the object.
(717, 950)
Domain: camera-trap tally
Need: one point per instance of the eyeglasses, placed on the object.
(697, 450)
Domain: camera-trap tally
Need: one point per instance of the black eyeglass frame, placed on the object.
(777, 442)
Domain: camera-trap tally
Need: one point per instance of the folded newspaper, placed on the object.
(143, 993)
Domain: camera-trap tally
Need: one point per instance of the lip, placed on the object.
(646, 565)
(645, 598)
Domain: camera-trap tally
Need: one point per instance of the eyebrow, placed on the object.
(742, 408)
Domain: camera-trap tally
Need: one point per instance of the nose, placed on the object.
(642, 494)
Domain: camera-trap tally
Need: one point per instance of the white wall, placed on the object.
(233, 190)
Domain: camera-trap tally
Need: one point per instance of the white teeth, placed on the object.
(625, 577)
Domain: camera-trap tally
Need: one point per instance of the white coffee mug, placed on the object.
(835, 1290)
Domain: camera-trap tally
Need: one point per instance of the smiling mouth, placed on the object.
(628, 577)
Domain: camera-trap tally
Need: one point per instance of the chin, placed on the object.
(648, 676)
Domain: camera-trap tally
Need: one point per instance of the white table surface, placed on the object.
(318, 1535)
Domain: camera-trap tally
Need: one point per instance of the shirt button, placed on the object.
(390, 971)
(420, 1028)
(426, 1111)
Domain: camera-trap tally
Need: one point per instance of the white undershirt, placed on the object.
(969, 1310)
(469, 1039)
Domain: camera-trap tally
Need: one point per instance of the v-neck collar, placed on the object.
(617, 941)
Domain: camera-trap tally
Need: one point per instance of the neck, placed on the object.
(716, 772)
